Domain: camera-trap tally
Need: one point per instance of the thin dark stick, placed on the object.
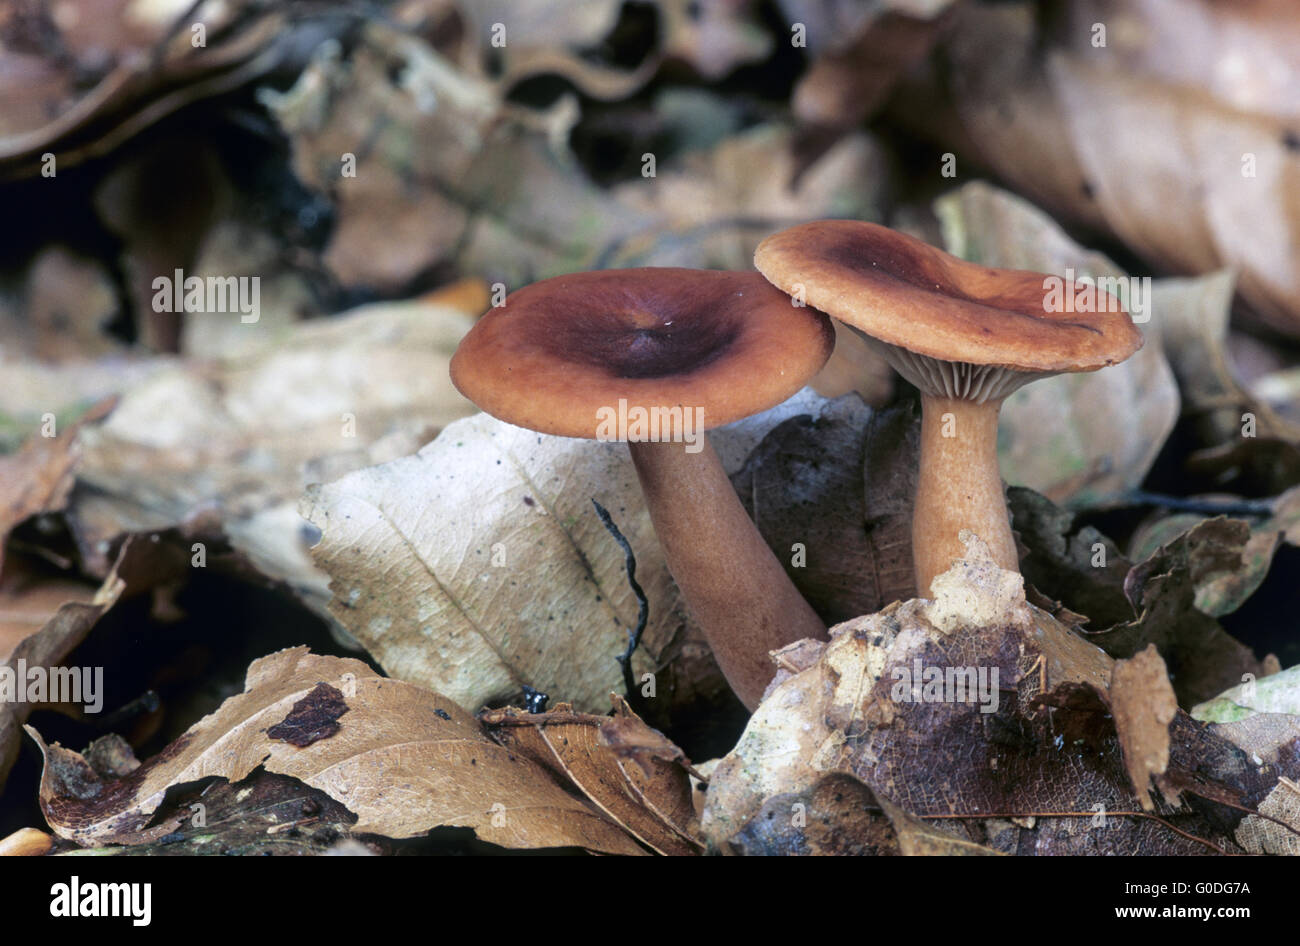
(643, 606)
(1210, 507)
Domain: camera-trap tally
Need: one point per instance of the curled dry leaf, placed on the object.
(631, 772)
(477, 566)
(403, 760)
(1143, 704)
(53, 642)
(117, 72)
(1034, 742)
(1126, 606)
(1076, 438)
(1203, 659)
(1222, 591)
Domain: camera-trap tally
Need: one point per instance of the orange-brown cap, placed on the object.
(924, 302)
(562, 352)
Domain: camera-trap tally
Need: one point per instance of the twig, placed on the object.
(1210, 507)
(643, 606)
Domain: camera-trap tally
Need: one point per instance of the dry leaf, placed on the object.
(403, 760)
(1143, 704)
(1222, 591)
(617, 762)
(236, 440)
(477, 566)
(53, 642)
(1196, 313)
(832, 495)
(1193, 185)
(1203, 659)
(861, 709)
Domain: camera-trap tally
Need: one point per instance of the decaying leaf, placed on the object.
(477, 566)
(832, 495)
(1073, 563)
(403, 760)
(1220, 592)
(617, 762)
(840, 815)
(1143, 704)
(1202, 658)
(974, 709)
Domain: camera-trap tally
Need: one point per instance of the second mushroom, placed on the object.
(966, 336)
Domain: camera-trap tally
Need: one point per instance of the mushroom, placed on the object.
(655, 357)
(966, 336)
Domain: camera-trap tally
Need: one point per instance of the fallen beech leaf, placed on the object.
(25, 842)
(1042, 114)
(1245, 55)
(1076, 438)
(713, 209)
(29, 600)
(713, 36)
(477, 566)
(1155, 601)
(854, 366)
(849, 81)
(1035, 743)
(70, 299)
(645, 793)
(1176, 190)
(1268, 739)
(1076, 564)
(1143, 704)
(404, 760)
(118, 72)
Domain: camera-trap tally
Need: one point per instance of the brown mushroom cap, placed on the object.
(908, 294)
(561, 349)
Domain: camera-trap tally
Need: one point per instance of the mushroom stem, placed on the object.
(959, 487)
(732, 583)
